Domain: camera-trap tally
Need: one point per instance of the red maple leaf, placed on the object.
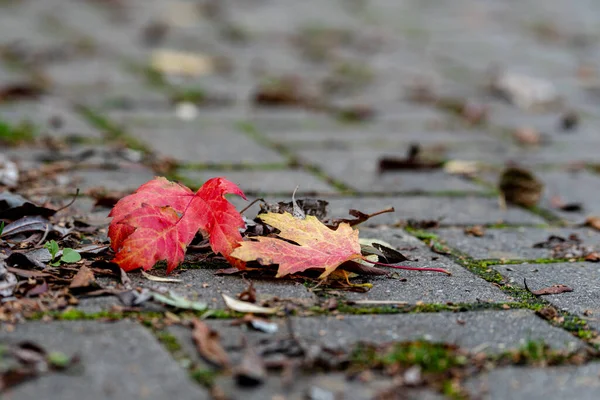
(161, 218)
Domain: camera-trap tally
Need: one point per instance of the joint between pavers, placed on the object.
(253, 133)
(573, 324)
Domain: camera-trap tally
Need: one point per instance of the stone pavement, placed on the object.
(118, 121)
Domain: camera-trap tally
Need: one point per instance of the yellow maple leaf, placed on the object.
(318, 246)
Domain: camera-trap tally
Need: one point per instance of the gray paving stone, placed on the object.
(428, 287)
(119, 360)
(582, 277)
(194, 142)
(573, 382)
(124, 179)
(577, 187)
(320, 385)
(360, 170)
(264, 181)
(386, 136)
(512, 243)
(489, 331)
(51, 116)
(449, 210)
(293, 126)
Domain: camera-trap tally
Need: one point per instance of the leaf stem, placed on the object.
(409, 268)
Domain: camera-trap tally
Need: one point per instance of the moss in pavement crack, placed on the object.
(110, 129)
(524, 298)
(253, 133)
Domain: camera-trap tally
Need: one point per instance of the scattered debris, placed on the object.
(476, 230)
(593, 222)
(569, 121)
(174, 300)
(27, 360)
(245, 307)
(208, 344)
(528, 136)
(413, 161)
(526, 92)
(9, 172)
(571, 247)
(160, 278)
(173, 62)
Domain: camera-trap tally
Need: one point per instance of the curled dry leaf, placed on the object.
(245, 307)
(554, 289)
(208, 344)
(160, 278)
(83, 280)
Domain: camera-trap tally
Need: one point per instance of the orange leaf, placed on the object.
(318, 246)
(161, 218)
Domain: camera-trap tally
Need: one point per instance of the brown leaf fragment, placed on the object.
(19, 91)
(249, 294)
(527, 136)
(548, 313)
(569, 121)
(251, 371)
(477, 231)
(554, 289)
(593, 222)
(208, 344)
(359, 218)
(413, 161)
(593, 257)
(84, 279)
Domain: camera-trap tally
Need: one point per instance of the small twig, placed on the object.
(251, 204)
(387, 210)
(44, 236)
(527, 288)
(71, 202)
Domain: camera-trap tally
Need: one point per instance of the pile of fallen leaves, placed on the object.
(50, 258)
(159, 221)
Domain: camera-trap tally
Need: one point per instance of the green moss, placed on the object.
(169, 341)
(204, 376)
(196, 96)
(74, 315)
(23, 132)
(451, 389)
(421, 234)
(547, 215)
(350, 309)
(431, 357)
(111, 130)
